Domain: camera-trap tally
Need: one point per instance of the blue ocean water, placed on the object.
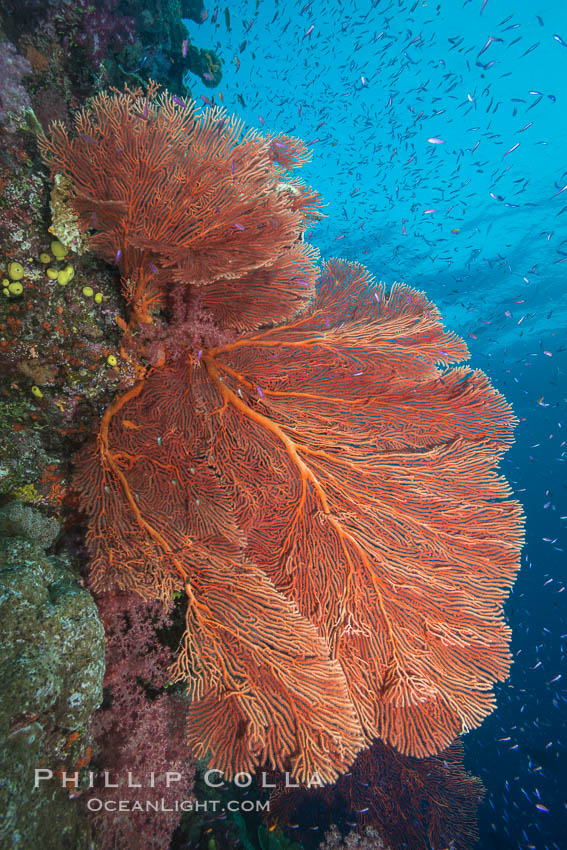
(478, 219)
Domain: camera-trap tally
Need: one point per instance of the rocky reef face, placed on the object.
(51, 667)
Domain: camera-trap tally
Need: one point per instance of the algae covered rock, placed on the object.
(19, 520)
(51, 668)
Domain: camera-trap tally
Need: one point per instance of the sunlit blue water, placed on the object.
(368, 84)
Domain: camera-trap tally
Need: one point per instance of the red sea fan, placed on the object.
(362, 472)
(413, 803)
(172, 195)
(336, 455)
(265, 295)
(288, 151)
(313, 470)
(160, 520)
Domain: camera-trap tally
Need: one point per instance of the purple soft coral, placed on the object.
(99, 27)
(139, 736)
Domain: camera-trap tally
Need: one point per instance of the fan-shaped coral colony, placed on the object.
(299, 452)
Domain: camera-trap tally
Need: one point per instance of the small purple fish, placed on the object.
(118, 255)
(260, 393)
(239, 226)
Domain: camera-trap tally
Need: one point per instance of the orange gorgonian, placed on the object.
(177, 198)
(306, 460)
